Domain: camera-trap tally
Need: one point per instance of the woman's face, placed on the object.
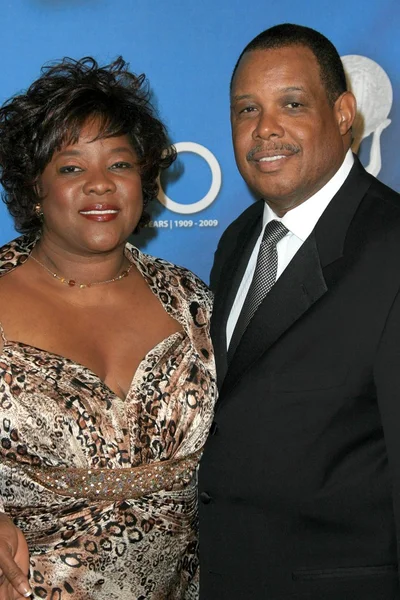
(91, 194)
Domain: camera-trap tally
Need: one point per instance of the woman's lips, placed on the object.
(100, 213)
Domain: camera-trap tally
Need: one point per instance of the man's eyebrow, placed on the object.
(242, 97)
(293, 88)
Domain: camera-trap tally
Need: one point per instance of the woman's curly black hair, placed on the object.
(52, 112)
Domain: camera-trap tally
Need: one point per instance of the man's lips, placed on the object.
(270, 158)
(262, 154)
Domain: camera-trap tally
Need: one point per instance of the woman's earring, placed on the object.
(39, 211)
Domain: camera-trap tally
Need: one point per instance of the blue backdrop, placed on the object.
(188, 49)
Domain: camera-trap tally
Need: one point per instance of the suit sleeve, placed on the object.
(387, 381)
(217, 264)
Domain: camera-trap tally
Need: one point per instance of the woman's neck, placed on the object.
(84, 269)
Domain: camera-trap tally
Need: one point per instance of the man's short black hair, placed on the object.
(288, 34)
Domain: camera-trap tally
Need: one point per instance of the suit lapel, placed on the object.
(229, 282)
(304, 281)
(300, 285)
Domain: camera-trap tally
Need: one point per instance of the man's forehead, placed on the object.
(295, 62)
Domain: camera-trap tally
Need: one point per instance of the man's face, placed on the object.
(288, 138)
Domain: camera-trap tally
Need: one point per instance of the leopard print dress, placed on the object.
(104, 488)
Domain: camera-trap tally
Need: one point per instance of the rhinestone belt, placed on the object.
(113, 484)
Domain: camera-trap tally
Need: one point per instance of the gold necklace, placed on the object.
(73, 283)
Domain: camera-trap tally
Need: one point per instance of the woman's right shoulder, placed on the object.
(15, 253)
(12, 255)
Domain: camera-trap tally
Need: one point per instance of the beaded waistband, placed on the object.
(114, 484)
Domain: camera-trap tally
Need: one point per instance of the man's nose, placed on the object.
(268, 125)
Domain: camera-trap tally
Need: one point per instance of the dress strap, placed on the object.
(3, 337)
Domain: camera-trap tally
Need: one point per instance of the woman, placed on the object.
(106, 369)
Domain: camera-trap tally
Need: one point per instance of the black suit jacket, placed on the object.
(300, 479)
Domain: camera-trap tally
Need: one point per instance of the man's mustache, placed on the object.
(274, 149)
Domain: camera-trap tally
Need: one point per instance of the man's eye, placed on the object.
(70, 169)
(294, 104)
(246, 110)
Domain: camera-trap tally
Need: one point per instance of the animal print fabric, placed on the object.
(56, 416)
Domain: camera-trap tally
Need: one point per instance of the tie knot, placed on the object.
(274, 232)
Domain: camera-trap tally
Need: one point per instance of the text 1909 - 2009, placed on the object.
(177, 223)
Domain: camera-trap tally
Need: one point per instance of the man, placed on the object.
(300, 479)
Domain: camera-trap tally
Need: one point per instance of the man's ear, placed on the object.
(346, 109)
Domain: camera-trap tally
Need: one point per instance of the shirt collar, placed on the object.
(302, 219)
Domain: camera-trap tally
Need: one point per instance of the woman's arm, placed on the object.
(14, 561)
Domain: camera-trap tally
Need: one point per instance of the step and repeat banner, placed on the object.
(187, 49)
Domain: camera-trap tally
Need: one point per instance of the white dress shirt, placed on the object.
(300, 221)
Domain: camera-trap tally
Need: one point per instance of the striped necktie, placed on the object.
(263, 279)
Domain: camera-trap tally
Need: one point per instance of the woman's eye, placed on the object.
(70, 169)
(121, 165)
(294, 104)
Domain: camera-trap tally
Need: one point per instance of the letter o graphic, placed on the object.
(189, 209)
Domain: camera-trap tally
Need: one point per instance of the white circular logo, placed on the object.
(189, 209)
(373, 90)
